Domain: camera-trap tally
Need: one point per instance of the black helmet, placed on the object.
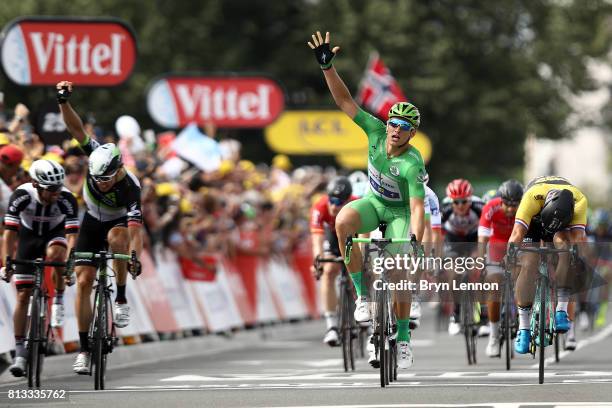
(558, 210)
(511, 191)
(340, 188)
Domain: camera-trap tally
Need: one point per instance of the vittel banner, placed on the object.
(230, 102)
(89, 52)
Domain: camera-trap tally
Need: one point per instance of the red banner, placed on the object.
(204, 271)
(379, 90)
(44, 51)
(235, 102)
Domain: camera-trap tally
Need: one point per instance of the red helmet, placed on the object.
(459, 188)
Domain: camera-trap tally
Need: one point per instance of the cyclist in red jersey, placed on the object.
(325, 242)
(496, 223)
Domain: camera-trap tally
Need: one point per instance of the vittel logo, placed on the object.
(88, 52)
(227, 101)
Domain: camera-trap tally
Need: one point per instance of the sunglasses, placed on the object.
(104, 179)
(460, 202)
(336, 201)
(402, 124)
(511, 203)
(51, 189)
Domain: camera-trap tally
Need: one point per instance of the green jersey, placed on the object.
(393, 181)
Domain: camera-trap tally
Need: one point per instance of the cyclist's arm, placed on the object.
(73, 122)
(484, 228)
(518, 233)
(317, 243)
(417, 219)
(340, 92)
(134, 216)
(135, 234)
(482, 245)
(578, 223)
(9, 239)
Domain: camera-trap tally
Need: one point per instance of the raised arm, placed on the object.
(73, 122)
(338, 89)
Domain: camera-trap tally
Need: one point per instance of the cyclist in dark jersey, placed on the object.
(42, 219)
(113, 219)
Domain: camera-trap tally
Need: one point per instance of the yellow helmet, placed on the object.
(282, 162)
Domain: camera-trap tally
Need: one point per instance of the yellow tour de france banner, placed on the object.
(327, 132)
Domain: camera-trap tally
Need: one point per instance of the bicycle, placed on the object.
(384, 322)
(346, 322)
(542, 323)
(102, 335)
(37, 336)
(470, 320)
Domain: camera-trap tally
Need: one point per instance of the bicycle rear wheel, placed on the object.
(467, 317)
(507, 330)
(43, 335)
(33, 344)
(345, 330)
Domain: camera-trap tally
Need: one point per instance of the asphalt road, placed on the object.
(290, 367)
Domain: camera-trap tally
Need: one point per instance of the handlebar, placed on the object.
(412, 240)
(102, 255)
(36, 262)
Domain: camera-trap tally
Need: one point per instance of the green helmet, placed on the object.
(407, 111)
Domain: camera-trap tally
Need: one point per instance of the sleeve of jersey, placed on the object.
(316, 221)
(484, 226)
(89, 145)
(368, 122)
(17, 203)
(528, 208)
(580, 209)
(72, 214)
(416, 188)
(134, 210)
(436, 217)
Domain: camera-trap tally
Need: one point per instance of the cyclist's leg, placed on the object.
(90, 240)
(564, 283)
(328, 287)
(119, 243)
(56, 252)
(358, 216)
(495, 275)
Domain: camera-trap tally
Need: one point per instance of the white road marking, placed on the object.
(605, 332)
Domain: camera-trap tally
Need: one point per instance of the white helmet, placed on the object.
(105, 160)
(47, 173)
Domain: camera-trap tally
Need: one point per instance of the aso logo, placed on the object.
(92, 52)
(226, 101)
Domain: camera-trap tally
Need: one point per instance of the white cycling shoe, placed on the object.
(415, 310)
(454, 328)
(404, 355)
(331, 337)
(362, 310)
(372, 357)
(57, 315)
(18, 368)
(493, 347)
(484, 330)
(122, 315)
(81, 364)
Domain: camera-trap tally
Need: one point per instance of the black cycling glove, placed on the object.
(324, 56)
(63, 95)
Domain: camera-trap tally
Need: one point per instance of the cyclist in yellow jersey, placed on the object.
(551, 210)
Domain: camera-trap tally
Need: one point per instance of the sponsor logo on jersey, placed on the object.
(394, 170)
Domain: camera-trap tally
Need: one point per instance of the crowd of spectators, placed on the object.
(196, 213)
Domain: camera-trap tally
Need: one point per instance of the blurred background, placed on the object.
(506, 89)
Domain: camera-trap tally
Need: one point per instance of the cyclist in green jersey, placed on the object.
(396, 173)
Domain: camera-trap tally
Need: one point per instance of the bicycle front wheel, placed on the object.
(381, 303)
(345, 328)
(99, 337)
(507, 330)
(542, 328)
(43, 335)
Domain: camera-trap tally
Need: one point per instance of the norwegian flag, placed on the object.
(378, 90)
